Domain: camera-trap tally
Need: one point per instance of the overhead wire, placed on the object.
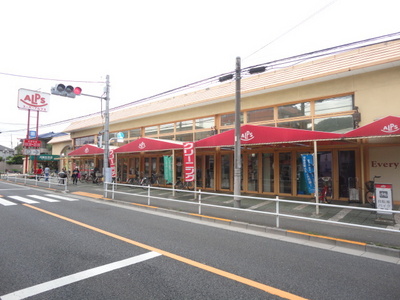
(214, 79)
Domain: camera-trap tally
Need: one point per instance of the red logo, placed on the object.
(34, 100)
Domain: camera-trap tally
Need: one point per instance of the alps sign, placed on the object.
(33, 100)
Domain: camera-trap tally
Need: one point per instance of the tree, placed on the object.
(15, 160)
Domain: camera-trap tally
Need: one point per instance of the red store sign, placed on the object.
(188, 161)
(31, 143)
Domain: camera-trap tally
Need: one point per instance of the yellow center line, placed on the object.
(328, 238)
(243, 280)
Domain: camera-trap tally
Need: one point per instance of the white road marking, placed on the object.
(56, 283)
(43, 198)
(340, 215)
(23, 199)
(6, 202)
(62, 197)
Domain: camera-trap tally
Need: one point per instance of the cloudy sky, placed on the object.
(148, 47)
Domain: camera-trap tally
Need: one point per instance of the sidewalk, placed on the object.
(333, 234)
(366, 218)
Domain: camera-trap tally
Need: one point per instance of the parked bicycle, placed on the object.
(325, 189)
(143, 181)
(184, 185)
(370, 195)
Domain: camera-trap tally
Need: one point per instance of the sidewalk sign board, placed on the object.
(384, 198)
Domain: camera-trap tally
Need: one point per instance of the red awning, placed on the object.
(86, 150)
(149, 144)
(386, 127)
(259, 135)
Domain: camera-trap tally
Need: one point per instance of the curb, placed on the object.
(361, 248)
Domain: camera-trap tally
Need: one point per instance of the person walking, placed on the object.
(75, 175)
(46, 173)
(39, 173)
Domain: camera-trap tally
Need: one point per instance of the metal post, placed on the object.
(316, 193)
(106, 131)
(237, 162)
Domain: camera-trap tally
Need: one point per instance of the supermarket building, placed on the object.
(336, 90)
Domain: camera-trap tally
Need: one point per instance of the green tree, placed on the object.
(16, 159)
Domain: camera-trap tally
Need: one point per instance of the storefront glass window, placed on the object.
(186, 137)
(304, 124)
(84, 141)
(225, 172)
(252, 172)
(285, 173)
(134, 133)
(166, 128)
(294, 110)
(209, 175)
(268, 172)
(184, 125)
(205, 123)
(202, 134)
(260, 115)
(334, 105)
(347, 173)
(340, 124)
(229, 119)
(151, 130)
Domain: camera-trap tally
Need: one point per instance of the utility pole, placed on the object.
(106, 171)
(237, 161)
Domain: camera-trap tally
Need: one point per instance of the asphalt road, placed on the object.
(87, 249)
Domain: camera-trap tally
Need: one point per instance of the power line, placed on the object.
(291, 29)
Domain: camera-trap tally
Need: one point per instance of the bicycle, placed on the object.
(370, 195)
(135, 181)
(184, 185)
(325, 192)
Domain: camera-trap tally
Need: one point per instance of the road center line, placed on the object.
(53, 284)
(243, 280)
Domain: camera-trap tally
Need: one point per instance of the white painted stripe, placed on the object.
(6, 202)
(50, 285)
(62, 197)
(43, 198)
(260, 204)
(23, 199)
(340, 215)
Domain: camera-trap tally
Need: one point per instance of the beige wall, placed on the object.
(385, 162)
(377, 94)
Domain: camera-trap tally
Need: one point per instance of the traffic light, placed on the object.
(66, 91)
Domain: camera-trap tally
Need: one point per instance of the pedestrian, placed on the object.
(94, 174)
(62, 175)
(39, 173)
(47, 173)
(75, 175)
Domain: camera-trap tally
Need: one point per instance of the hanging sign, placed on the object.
(168, 169)
(111, 159)
(188, 161)
(308, 167)
(33, 100)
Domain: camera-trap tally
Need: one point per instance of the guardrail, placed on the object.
(279, 209)
(37, 180)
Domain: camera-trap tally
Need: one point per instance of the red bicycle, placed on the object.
(325, 189)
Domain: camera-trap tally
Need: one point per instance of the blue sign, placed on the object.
(308, 167)
(32, 134)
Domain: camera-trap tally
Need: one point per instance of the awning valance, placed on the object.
(259, 135)
(385, 127)
(149, 144)
(86, 150)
